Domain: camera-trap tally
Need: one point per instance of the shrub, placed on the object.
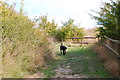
(24, 48)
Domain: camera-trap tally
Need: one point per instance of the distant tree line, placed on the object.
(67, 30)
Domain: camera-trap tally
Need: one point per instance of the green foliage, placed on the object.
(24, 48)
(109, 18)
(45, 25)
(69, 30)
(48, 72)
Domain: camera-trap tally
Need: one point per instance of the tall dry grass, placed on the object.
(26, 58)
(24, 48)
(110, 60)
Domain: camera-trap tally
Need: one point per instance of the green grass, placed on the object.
(82, 61)
(49, 72)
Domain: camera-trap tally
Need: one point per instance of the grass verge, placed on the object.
(109, 59)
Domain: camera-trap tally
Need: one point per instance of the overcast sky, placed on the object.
(62, 10)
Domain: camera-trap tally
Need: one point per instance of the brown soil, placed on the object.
(66, 73)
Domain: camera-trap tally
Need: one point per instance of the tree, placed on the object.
(109, 19)
(45, 25)
(69, 30)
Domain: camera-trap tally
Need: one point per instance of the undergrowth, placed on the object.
(24, 48)
(110, 61)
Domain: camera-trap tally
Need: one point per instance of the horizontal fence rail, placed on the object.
(117, 41)
(113, 45)
(81, 38)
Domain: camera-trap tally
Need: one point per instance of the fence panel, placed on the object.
(81, 40)
(113, 45)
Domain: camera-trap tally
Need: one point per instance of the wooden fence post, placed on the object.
(81, 41)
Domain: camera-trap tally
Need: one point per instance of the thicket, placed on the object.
(24, 48)
(109, 19)
(69, 30)
(48, 27)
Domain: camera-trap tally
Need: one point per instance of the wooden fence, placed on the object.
(113, 45)
(81, 40)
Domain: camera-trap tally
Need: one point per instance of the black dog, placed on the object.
(63, 49)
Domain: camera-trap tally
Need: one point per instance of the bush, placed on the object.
(69, 30)
(24, 48)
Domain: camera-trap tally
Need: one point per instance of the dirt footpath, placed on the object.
(79, 62)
